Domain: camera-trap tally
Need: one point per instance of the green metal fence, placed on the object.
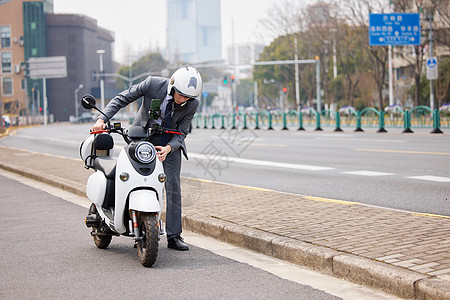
(419, 117)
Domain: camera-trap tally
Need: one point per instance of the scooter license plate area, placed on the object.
(144, 201)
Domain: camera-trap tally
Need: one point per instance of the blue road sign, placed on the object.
(431, 62)
(432, 68)
(397, 29)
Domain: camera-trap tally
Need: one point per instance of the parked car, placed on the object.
(122, 116)
(86, 117)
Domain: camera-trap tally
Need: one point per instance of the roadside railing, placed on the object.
(309, 118)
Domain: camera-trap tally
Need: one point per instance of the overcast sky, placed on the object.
(139, 24)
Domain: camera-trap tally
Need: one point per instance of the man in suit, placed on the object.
(179, 104)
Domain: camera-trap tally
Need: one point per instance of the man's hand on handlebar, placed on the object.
(163, 151)
(98, 126)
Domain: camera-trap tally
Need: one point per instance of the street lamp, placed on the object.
(76, 99)
(102, 78)
(429, 16)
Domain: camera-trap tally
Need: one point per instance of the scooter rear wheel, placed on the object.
(101, 240)
(148, 245)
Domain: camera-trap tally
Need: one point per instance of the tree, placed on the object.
(313, 29)
(356, 13)
(443, 82)
(284, 18)
(442, 9)
(272, 77)
(152, 63)
(351, 57)
(319, 38)
(414, 61)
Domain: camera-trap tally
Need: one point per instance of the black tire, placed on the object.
(101, 241)
(148, 245)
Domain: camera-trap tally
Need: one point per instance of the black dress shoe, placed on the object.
(177, 243)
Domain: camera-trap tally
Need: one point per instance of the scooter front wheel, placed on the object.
(149, 233)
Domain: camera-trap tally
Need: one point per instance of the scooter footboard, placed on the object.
(144, 200)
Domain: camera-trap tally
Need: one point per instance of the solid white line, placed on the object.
(430, 178)
(259, 162)
(286, 270)
(57, 192)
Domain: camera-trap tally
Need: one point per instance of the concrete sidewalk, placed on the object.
(404, 254)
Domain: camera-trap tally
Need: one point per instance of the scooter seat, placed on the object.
(107, 165)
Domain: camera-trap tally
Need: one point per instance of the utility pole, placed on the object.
(429, 18)
(235, 62)
(102, 78)
(391, 85)
(391, 75)
(80, 86)
(297, 80)
(318, 90)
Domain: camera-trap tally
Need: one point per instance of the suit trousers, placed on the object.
(172, 168)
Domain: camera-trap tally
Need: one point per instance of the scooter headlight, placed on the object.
(145, 152)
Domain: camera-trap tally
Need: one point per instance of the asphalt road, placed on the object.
(407, 172)
(48, 253)
(394, 170)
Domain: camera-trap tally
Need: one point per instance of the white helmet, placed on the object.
(187, 82)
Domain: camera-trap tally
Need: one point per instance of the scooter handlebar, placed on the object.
(108, 129)
(100, 131)
(173, 131)
(113, 129)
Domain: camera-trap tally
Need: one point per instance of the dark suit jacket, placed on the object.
(155, 88)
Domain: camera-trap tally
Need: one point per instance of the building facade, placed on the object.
(78, 38)
(30, 29)
(193, 31)
(22, 28)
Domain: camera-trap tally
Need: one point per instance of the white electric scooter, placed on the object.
(127, 191)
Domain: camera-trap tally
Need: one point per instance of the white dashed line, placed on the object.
(368, 173)
(309, 167)
(264, 163)
(430, 178)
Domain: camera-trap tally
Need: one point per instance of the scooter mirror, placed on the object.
(88, 101)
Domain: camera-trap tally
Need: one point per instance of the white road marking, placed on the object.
(263, 163)
(430, 178)
(401, 151)
(368, 173)
(286, 270)
(339, 137)
(40, 138)
(119, 145)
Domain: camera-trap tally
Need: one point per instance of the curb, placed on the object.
(8, 130)
(5, 131)
(390, 279)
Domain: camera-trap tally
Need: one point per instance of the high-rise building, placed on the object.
(77, 37)
(193, 31)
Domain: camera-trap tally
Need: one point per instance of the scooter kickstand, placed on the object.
(161, 228)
